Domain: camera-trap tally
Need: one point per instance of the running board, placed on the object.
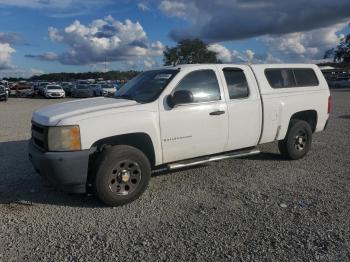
(203, 160)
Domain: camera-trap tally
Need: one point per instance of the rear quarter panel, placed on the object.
(281, 103)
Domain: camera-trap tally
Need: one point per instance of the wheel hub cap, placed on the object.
(125, 177)
(300, 141)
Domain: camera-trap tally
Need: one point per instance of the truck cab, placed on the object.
(173, 117)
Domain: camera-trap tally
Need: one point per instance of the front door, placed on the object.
(199, 128)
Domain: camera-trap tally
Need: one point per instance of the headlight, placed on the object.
(64, 138)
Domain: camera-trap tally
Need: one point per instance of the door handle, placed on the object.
(216, 113)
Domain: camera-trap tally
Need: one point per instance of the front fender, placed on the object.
(122, 123)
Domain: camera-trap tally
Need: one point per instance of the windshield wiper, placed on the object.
(128, 97)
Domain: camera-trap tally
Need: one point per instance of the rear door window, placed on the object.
(237, 84)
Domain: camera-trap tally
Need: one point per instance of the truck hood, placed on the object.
(53, 114)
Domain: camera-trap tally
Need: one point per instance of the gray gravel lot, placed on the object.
(260, 208)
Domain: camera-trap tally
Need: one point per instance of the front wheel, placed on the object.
(297, 141)
(123, 173)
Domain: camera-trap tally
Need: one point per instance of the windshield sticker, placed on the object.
(163, 76)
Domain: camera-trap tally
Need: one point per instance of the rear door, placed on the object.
(243, 106)
(199, 128)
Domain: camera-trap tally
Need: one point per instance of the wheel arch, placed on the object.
(141, 141)
(309, 116)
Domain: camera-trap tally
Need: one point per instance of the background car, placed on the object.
(54, 91)
(342, 82)
(96, 89)
(106, 90)
(3, 93)
(67, 87)
(41, 87)
(82, 91)
(21, 85)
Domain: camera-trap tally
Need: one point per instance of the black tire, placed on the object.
(122, 175)
(297, 142)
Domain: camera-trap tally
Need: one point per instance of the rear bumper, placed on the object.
(66, 170)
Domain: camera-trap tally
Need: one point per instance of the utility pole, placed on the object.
(105, 64)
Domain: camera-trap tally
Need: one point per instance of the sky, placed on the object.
(44, 36)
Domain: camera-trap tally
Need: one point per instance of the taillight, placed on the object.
(329, 105)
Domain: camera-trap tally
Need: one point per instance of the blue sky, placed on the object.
(42, 36)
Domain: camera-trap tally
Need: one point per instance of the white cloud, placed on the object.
(223, 54)
(249, 54)
(294, 47)
(157, 48)
(143, 6)
(48, 56)
(148, 62)
(34, 71)
(59, 8)
(38, 3)
(184, 10)
(304, 46)
(5, 56)
(54, 34)
(10, 37)
(100, 40)
(23, 73)
(51, 4)
(233, 56)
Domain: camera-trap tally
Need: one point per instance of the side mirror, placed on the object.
(180, 97)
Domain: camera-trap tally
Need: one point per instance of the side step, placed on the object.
(202, 160)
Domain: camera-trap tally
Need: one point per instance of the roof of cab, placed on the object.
(186, 66)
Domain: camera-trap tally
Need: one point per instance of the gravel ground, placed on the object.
(260, 208)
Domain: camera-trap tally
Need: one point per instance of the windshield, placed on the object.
(146, 87)
(53, 87)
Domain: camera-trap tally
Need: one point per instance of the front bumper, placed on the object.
(82, 95)
(55, 95)
(66, 170)
(109, 94)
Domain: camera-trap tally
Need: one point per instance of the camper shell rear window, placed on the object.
(291, 77)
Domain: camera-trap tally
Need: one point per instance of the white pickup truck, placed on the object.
(175, 117)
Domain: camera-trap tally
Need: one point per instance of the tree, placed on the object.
(340, 54)
(189, 51)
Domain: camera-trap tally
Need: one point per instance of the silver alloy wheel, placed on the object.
(125, 177)
(300, 140)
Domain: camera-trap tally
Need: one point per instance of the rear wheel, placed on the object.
(297, 141)
(123, 173)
